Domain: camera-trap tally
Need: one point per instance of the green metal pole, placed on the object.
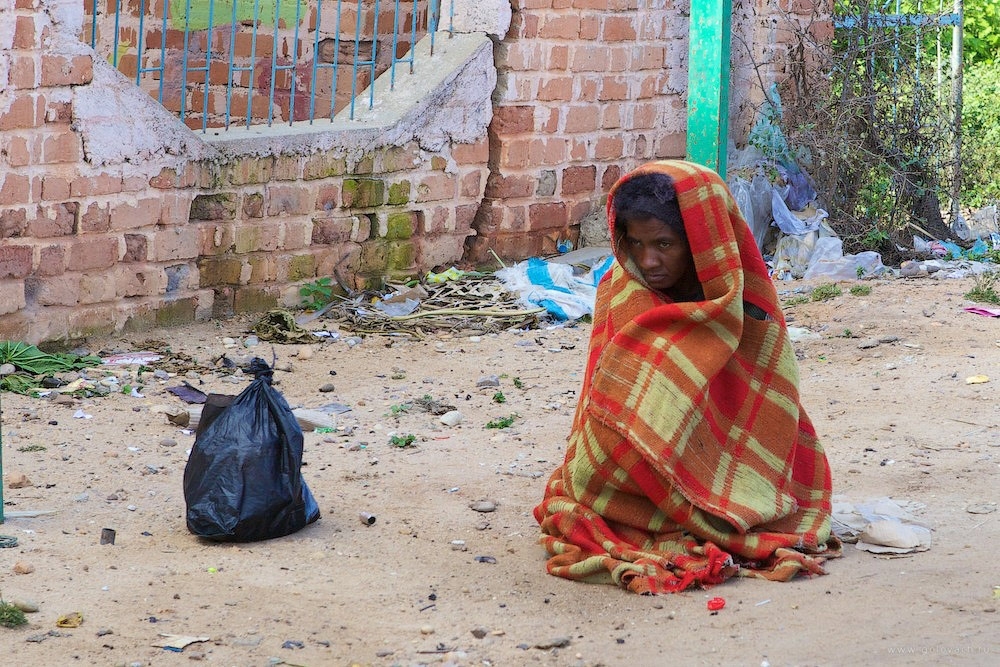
(708, 83)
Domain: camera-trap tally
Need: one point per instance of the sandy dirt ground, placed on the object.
(434, 581)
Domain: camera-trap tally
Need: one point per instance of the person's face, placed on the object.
(661, 254)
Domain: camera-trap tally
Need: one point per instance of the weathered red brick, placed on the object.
(435, 187)
(54, 188)
(59, 70)
(61, 147)
(100, 287)
(288, 200)
(61, 290)
(22, 72)
(475, 153)
(96, 218)
(13, 222)
(560, 27)
(174, 243)
(582, 119)
(614, 88)
(558, 88)
(16, 189)
(24, 113)
(144, 213)
(99, 184)
(11, 301)
(513, 186)
(610, 148)
(53, 220)
(579, 179)
(92, 253)
(135, 248)
(509, 120)
(471, 185)
(547, 216)
(51, 260)
(15, 261)
(25, 33)
(618, 29)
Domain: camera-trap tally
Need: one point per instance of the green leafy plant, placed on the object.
(825, 292)
(518, 383)
(797, 301)
(11, 616)
(984, 289)
(317, 293)
(32, 448)
(499, 397)
(861, 290)
(402, 440)
(398, 409)
(502, 422)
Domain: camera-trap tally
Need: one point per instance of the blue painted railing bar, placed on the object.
(274, 70)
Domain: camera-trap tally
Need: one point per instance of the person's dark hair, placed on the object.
(647, 196)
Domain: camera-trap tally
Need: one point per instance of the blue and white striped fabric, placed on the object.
(553, 286)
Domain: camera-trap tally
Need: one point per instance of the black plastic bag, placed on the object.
(243, 480)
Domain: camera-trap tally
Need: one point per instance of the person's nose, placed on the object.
(647, 259)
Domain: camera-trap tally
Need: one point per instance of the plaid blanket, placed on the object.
(690, 459)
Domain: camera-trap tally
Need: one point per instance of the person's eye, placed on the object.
(663, 245)
(633, 242)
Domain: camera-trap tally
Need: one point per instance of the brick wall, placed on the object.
(105, 228)
(589, 89)
(111, 218)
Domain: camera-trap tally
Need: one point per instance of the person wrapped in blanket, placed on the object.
(690, 459)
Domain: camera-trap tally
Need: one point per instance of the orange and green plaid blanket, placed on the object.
(690, 458)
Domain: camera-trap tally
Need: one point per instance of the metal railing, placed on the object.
(224, 63)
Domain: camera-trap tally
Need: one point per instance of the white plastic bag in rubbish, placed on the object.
(754, 201)
(829, 262)
(788, 222)
(554, 286)
(794, 252)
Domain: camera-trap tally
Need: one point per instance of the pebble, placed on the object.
(479, 632)
(168, 442)
(488, 381)
(327, 388)
(25, 605)
(451, 418)
(305, 353)
(20, 567)
(483, 506)
(426, 629)
(7, 369)
(17, 480)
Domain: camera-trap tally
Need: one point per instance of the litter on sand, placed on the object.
(882, 525)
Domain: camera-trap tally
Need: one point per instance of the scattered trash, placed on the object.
(243, 479)
(367, 518)
(71, 620)
(80, 414)
(486, 559)
(715, 604)
(188, 393)
(880, 526)
(107, 536)
(279, 326)
(982, 508)
(983, 310)
(977, 379)
(555, 286)
(131, 358)
(178, 642)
